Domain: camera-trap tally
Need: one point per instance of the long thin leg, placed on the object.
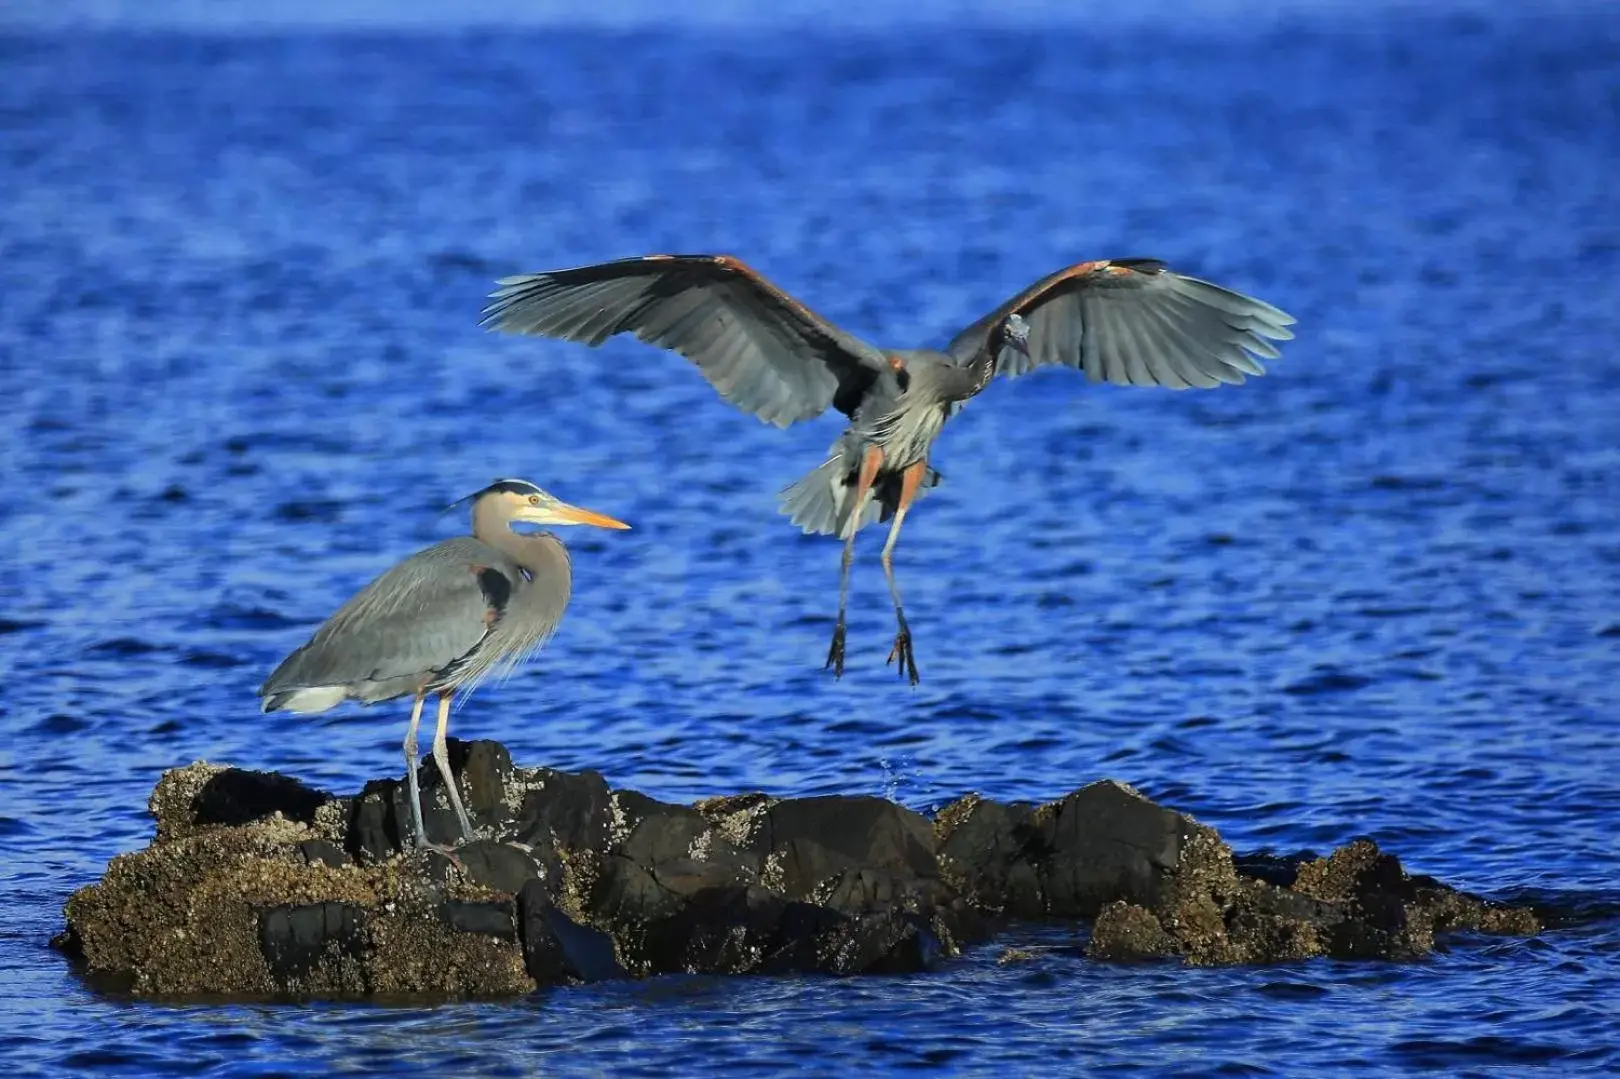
(870, 463)
(441, 757)
(910, 480)
(411, 787)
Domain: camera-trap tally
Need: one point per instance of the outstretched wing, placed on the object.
(421, 619)
(765, 352)
(1134, 322)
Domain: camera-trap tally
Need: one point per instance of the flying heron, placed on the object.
(441, 621)
(1126, 321)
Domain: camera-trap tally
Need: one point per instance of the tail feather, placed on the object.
(820, 502)
(305, 699)
(815, 503)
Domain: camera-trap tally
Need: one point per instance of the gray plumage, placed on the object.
(441, 621)
(1125, 321)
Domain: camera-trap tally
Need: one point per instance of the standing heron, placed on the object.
(441, 621)
(1126, 321)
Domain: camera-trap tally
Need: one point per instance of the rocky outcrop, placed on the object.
(258, 886)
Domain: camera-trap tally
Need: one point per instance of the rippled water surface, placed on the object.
(1377, 592)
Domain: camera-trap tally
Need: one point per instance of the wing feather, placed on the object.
(1160, 350)
(419, 619)
(1135, 322)
(764, 351)
(1180, 344)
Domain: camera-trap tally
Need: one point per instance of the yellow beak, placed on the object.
(563, 513)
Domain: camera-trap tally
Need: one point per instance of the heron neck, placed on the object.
(536, 552)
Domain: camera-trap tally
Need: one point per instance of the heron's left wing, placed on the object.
(423, 617)
(1135, 322)
(766, 352)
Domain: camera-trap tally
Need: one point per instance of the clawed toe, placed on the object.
(835, 653)
(902, 657)
(422, 846)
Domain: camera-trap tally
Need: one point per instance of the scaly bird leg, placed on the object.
(441, 757)
(412, 790)
(835, 651)
(910, 481)
(870, 463)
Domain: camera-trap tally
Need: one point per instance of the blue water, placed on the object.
(1377, 592)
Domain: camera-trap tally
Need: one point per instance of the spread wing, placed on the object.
(425, 617)
(1134, 322)
(765, 352)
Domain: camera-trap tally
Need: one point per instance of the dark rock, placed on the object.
(506, 867)
(68, 943)
(1105, 842)
(323, 852)
(1369, 890)
(436, 870)
(202, 796)
(556, 948)
(863, 831)
(1387, 914)
(296, 939)
(247, 889)
(238, 797)
(872, 891)
(682, 915)
(1123, 932)
(379, 821)
(736, 813)
(495, 918)
(721, 929)
(483, 771)
(380, 818)
(1280, 870)
(1358, 903)
(655, 833)
(1352, 871)
(815, 938)
(890, 943)
(810, 840)
(987, 852)
(563, 810)
(627, 893)
(798, 929)
(631, 807)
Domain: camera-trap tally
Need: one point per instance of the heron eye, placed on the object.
(534, 500)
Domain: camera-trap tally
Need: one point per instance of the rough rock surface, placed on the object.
(258, 886)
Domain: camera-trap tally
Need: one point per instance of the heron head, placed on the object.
(1015, 333)
(520, 500)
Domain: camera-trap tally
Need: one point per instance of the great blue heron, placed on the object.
(441, 621)
(1126, 321)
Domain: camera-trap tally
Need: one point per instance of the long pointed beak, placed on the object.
(563, 513)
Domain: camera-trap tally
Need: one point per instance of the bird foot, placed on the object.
(422, 846)
(901, 655)
(835, 653)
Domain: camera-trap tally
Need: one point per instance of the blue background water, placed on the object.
(1373, 593)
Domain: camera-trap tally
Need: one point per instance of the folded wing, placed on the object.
(763, 350)
(422, 621)
(1134, 322)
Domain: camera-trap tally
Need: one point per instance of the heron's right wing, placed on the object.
(765, 352)
(1135, 322)
(422, 617)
